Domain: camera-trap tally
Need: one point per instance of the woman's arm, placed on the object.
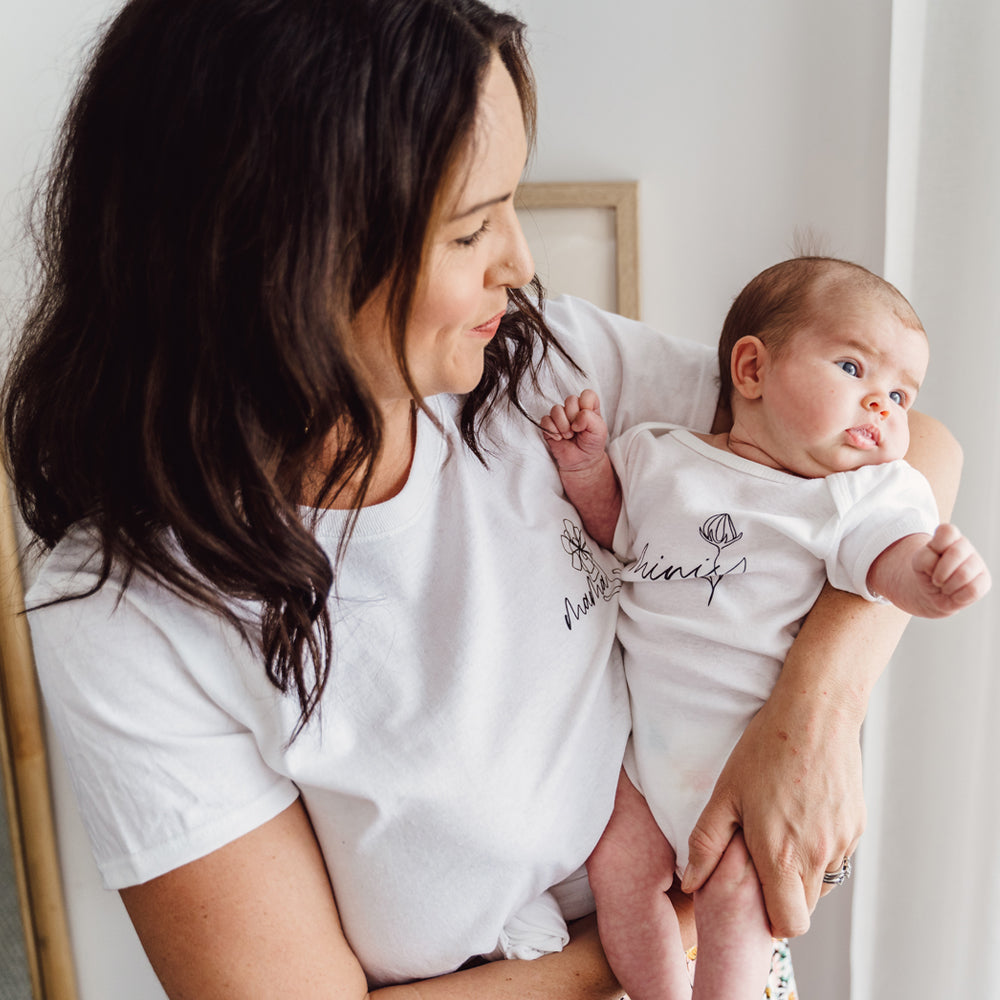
(579, 972)
(257, 919)
(793, 782)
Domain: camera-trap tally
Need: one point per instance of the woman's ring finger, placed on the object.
(841, 875)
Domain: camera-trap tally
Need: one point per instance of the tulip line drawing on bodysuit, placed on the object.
(720, 532)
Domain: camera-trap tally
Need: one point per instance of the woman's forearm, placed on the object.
(579, 972)
(935, 452)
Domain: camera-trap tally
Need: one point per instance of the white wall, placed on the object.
(743, 123)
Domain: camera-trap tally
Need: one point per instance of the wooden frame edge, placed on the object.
(623, 198)
(27, 785)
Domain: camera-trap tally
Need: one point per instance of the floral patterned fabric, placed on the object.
(780, 984)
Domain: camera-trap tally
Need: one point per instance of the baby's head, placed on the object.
(820, 361)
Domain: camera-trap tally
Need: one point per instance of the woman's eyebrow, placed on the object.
(489, 203)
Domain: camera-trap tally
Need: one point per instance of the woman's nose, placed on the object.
(514, 266)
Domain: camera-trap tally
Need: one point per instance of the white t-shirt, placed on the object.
(471, 733)
(724, 558)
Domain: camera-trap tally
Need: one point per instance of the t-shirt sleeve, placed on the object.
(879, 504)
(639, 373)
(163, 773)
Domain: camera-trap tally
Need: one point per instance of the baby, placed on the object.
(728, 540)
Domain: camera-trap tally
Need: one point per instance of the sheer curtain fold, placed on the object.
(926, 920)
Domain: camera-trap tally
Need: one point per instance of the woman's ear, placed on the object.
(747, 366)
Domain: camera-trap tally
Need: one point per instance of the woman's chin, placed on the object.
(459, 382)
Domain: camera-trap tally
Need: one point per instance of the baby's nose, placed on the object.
(877, 406)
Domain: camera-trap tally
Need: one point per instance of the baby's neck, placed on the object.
(738, 442)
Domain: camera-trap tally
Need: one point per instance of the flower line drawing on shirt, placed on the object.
(600, 586)
(720, 532)
(576, 548)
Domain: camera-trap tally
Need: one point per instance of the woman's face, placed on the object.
(475, 251)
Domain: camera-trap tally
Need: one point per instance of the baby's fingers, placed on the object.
(559, 423)
(953, 549)
(562, 420)
(970, 581)
(589, 401)
(550, 424)
(572, 409)
(955, 567)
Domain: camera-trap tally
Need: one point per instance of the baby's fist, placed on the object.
(955, 568)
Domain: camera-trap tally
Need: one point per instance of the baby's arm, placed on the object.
(930, 576)
(576, 435)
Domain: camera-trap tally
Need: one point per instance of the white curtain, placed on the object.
(926, 920)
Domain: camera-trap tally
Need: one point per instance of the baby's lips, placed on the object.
(865, 436)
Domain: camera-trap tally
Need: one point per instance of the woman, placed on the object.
(331, 660)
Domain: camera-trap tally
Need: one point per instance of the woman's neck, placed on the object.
(391, 468)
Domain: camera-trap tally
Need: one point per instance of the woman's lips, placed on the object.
(488, 329)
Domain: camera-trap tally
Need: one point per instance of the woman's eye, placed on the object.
(897, 397)
(850, 367)
(473, 238)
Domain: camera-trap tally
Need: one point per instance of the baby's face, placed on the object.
(837, 396)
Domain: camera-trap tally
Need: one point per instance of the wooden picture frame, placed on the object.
(27, 790)
(585, 239)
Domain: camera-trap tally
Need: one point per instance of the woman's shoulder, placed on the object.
(73, 597)
(161, 709)
(70, 568)
(640, 373)
(580, 324)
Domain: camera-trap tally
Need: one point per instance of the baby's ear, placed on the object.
(746, 366)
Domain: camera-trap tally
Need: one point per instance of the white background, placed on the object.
(746, 125)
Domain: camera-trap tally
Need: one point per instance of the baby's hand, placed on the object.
(576, 432)
(951, 572)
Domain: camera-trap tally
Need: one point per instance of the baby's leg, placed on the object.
(630, 871)
(734, 935)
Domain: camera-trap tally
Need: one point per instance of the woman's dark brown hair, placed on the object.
(234, 180)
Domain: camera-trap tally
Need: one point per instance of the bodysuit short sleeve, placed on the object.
(879, 505)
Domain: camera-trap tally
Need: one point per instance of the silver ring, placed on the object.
(840, 876)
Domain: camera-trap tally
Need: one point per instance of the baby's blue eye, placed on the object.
(850, 367)
(897, 397)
